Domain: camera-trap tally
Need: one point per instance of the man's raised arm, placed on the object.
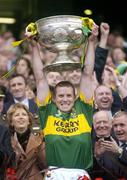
(41, 82)
(87, 73)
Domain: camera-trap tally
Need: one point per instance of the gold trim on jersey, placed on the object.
(71, 127)
(47, 99)
(83, 98)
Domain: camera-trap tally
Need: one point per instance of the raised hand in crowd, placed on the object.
(104, 32)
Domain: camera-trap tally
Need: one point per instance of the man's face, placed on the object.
(74, 76)
(103, 98)
(64, 98)
(18, 87)
(102, 124)
(120, 127)
(53, 78)
(1, 104)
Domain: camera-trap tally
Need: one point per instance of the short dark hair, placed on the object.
(17, 75)
(64, 84)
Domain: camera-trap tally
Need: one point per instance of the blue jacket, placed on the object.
(32, 106)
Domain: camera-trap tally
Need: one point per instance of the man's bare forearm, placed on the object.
(89, 59)
(37, 63)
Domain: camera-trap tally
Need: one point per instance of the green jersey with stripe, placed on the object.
(68, 135)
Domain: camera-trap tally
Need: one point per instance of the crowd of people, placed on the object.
(64, 125)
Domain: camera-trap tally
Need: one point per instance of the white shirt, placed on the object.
(122, 144)
(24, 101)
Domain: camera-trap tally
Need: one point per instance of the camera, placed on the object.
(107, 138)
(104, 138)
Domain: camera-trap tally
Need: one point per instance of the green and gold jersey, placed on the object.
(68, 135)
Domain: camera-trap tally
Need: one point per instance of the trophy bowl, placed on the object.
(61, 34)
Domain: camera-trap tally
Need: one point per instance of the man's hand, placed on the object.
(104, 32)
(98, 148)
(104, 29)
(94, 33)
(111, 146)
(33, 44)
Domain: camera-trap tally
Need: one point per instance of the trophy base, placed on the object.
(59, 67)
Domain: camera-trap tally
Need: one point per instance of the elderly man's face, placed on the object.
(102, 124)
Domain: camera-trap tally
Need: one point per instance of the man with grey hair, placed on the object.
(102, 123)
(106, 150)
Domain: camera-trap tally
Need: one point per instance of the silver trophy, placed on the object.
(61, 34)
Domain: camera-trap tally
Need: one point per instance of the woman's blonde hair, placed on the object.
(12, 110)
